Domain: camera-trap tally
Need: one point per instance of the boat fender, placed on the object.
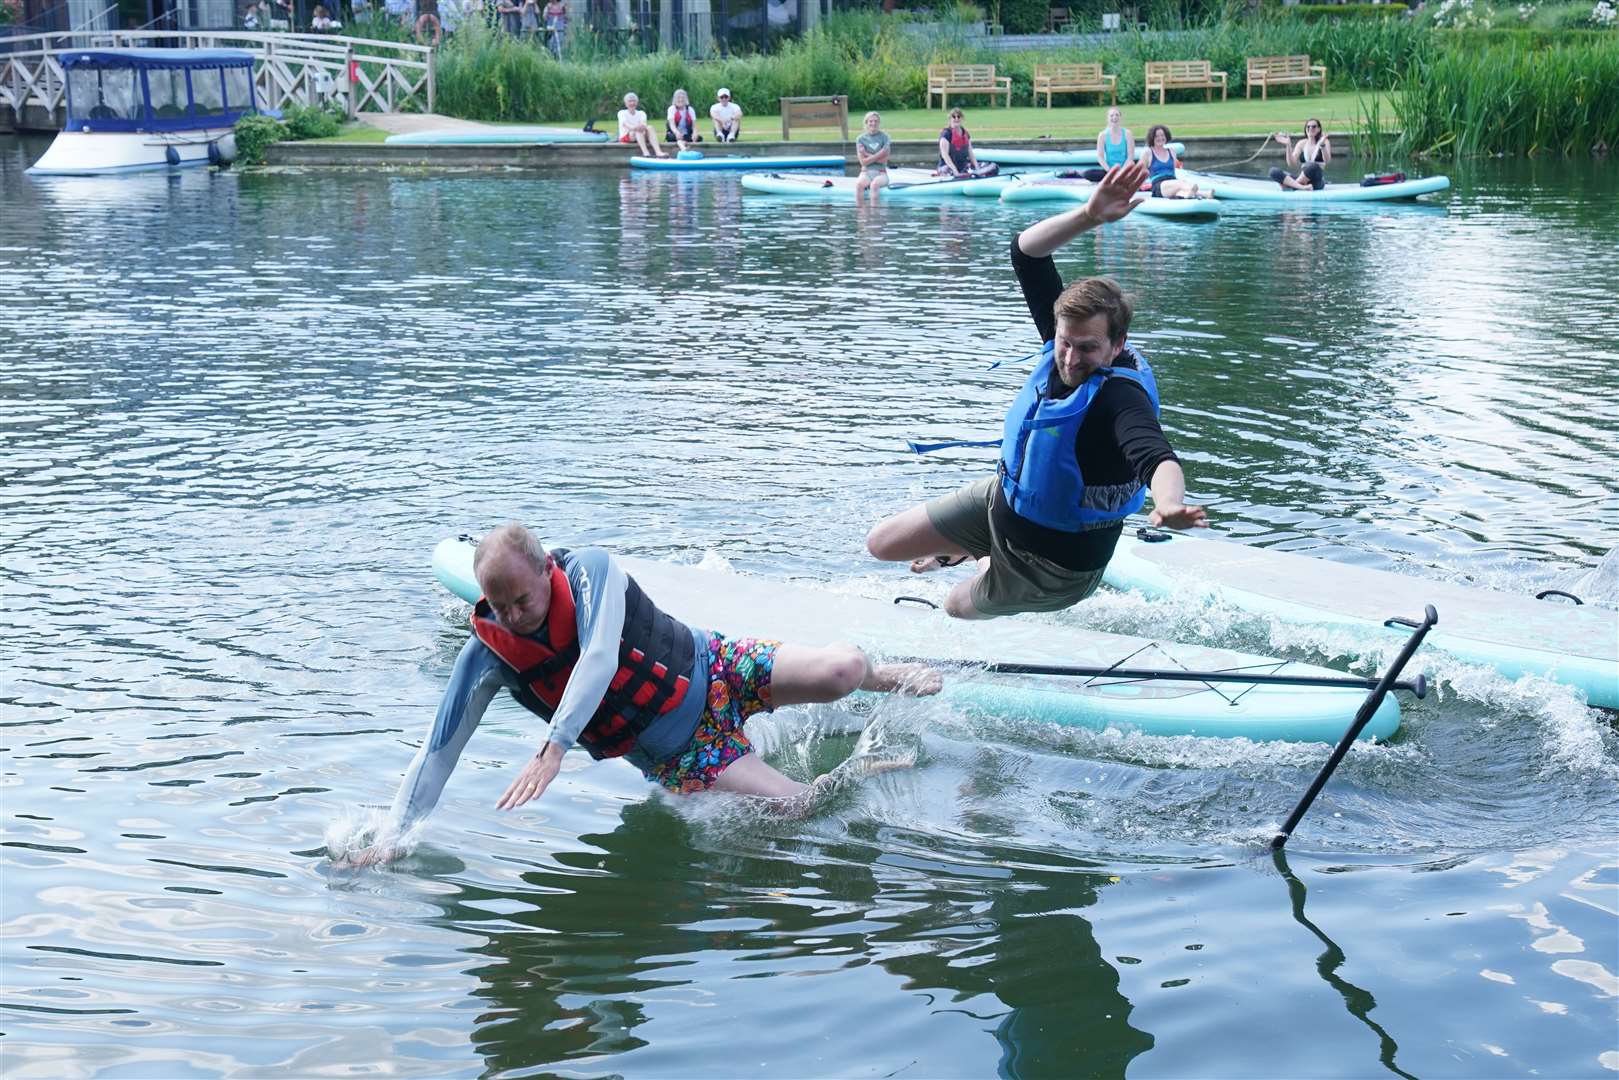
(226, 145)
(213, 154)
(171, 155)
(1379, 179)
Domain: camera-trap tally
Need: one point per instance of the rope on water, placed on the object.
(1244, 161)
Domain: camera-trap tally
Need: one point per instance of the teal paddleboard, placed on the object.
(1516, 635)
(1054, 159)
(1052, 188)
(738, 605)
(1261, 190)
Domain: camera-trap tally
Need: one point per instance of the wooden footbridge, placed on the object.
(360, 74)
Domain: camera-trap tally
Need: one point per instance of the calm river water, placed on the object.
(238, 411)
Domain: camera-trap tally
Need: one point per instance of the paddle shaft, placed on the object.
(1367, 709)
(1418, 686)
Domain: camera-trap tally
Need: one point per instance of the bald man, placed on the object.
(577, 642)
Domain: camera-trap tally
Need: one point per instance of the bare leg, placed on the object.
(804, 674)
(1294, 183)
(959, 604)
(860, 186)
(751, 775)
(911, 535)
(877, 184)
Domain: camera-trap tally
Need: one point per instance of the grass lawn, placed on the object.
(1339, 111)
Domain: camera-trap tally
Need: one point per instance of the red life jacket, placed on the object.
(655, 657)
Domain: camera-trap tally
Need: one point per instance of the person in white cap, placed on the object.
(578, 643)
(727, 117)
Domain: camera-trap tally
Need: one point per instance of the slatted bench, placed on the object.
(1268, 71)
(1073, 79)
(1165, 75)
(947, 79)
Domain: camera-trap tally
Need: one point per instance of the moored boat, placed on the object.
(136, 110)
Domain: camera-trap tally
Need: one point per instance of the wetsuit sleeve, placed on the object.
(474, 682)
(1139, 435)
(1041, 285)
(598, 585)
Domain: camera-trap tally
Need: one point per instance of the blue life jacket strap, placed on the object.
(927, 448)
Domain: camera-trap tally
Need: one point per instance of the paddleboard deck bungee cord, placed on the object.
(1554, 637)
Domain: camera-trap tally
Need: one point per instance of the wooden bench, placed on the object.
(1073, 79)
(1164, 75)
(814, 112)
(947, 79)
(1268, 71)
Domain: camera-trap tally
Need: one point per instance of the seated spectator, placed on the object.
(680, 122)
(321, 21)
(727, 117)
(956, 156)
(632, 127)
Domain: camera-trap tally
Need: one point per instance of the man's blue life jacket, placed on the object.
(1039, 472)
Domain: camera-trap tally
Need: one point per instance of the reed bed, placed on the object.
(1512, 97)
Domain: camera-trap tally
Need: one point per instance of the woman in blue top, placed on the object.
(1114, 143)
(1161, 166)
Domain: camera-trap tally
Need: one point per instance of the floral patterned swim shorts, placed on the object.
(738, 686)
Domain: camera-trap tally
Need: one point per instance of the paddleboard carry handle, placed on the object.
(1542, 594)
(916, 600)
(1367, 709)
(1147, 534)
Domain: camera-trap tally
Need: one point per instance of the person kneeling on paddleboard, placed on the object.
(577, 643)
(1081, 444)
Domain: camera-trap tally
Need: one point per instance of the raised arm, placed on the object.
(600, 616)
(1113, 198)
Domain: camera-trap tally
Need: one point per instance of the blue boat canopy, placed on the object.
(157, 89)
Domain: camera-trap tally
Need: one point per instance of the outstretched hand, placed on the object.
(1178, 516)
(536, 776)
(1115, 196)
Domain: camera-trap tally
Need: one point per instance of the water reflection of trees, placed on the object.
(573, 962)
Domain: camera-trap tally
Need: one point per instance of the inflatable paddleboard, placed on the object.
(1260, 189)
(736, 605)
(1516, 635)
(1055, 188)
(1052, 159)
(902, 184)
(677, 164)
(491, 136)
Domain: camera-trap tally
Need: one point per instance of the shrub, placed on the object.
(254, 133)
(312, 122)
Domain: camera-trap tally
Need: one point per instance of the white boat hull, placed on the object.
(100, 153)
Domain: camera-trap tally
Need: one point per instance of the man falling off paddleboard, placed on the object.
(1080, 447)
(576, 641)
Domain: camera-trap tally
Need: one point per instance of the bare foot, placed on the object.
(929, 563)
(915, 680)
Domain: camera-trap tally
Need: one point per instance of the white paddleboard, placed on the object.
(1516, 635)
(738, 606)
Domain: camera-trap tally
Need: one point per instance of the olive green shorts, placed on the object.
(1017, 580)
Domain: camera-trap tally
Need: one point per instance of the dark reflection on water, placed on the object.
(238, 410)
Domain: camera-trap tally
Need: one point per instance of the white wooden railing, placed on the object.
(362, 74)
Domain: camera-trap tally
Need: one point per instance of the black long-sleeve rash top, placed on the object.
(1119, 440)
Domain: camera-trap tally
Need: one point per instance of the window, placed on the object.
(238, 93)
(103, 94)
(207, 92)
(168, 89)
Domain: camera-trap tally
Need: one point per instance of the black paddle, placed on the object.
(1367, 709)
